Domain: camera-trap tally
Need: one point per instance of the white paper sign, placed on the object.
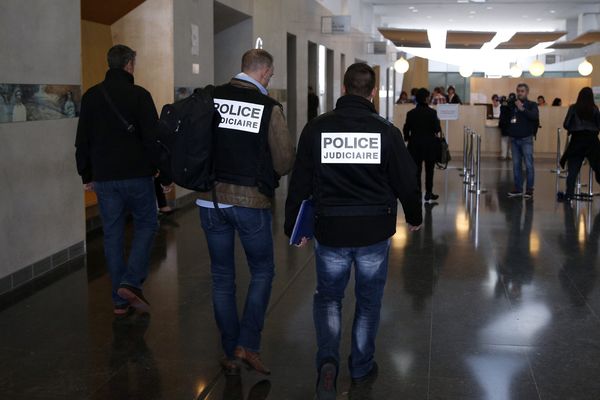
(195, 50)
(447, 112)
(239, 115)
(350, 148)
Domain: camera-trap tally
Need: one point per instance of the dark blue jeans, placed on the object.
(116, 199)
(255, 232)
(334, 265)
(522, 151)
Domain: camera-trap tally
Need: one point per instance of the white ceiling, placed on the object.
(491, 15)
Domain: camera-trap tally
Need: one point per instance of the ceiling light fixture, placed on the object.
(465, 71)
(585, 68)
(401, 65)
(515, 70)
(537, 68)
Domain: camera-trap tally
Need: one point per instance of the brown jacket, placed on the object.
(283, 154)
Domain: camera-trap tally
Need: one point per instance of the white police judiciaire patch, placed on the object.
(239, 115)
(350, 148)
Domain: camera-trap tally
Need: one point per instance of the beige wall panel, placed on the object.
(565, 88)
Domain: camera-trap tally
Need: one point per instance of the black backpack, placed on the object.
(187, 134)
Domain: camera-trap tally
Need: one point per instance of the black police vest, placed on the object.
(242, 153)
(351, 176)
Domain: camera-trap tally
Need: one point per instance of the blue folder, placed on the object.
(305, 223)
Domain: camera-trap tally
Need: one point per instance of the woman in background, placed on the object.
(403, 99)
(452, 96)
(420, 131)
(582, 124)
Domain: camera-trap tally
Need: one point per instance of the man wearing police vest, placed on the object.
(253, 150)
(355, 166)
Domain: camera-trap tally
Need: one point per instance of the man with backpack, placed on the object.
(252, 150)
(117, 157)
(522, 127)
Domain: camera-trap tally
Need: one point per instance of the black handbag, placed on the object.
(444, 156)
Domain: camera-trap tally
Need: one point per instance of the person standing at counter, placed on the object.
(496, 105)
(582, 122)
(452, 97)
(420, 131)
(522, 128)
(503, 124)
(541, 101)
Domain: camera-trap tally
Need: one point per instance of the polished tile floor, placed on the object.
(495, 299)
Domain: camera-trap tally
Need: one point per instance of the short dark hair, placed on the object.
(524, 85)
(359, 80)
(422, 96)
(256, 58)
(119, 56)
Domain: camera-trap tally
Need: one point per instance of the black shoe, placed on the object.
(369, 378)
(326, 385)
(564, 197)
(515, 193)
(429, 197)
(528, 194)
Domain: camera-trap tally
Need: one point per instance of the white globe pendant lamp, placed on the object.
(516, 71)
(537, 68)
(465, 71)
(585, 68)
(401, 65)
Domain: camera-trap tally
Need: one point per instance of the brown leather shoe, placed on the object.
(229, 367)
(251, 359)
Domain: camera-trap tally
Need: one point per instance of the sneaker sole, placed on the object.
(133, 300)
(326, 393)
(515, 195)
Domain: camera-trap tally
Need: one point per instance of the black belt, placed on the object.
(357, 211)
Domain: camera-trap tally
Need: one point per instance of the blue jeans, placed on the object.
(255, 232)
(334, 265)
(116, 199)
(522, 150)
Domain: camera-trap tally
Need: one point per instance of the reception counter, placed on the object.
(551, 118)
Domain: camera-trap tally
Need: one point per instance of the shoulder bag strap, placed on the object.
(128, 126)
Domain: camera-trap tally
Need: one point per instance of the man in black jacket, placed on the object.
(421, 131)
(355, 166)
(522, 127)
(116, 157)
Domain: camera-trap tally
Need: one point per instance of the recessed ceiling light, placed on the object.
(415, 10)
(525, 16)
(471, 16)
(489, 8)
(552, 11)
(411, 7)
(472, 12)
(538, 19)
(450, 20)
(462, 1)
(429, 17)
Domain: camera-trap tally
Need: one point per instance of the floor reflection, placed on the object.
(234, 389)
(132, 361)
(517, 266)
(423, 260)
(578, 274)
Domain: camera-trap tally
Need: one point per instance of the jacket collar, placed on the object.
(116, 74)
(353, 101)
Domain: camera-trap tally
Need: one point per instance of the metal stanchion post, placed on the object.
(478, 189)
(465, 139)
(590, 192)
(558, 170)
(473, 154)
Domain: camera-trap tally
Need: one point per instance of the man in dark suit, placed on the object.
(420, 131)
